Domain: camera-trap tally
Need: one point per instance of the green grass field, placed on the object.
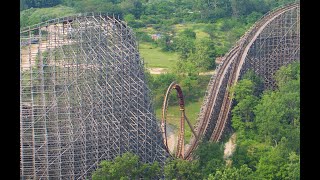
(198, 28)
(154, 57)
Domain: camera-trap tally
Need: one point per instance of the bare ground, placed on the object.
(230, 146)
(157, 70)
(171, 138)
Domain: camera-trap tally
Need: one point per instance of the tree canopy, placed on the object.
(270, 144)
(126, 166)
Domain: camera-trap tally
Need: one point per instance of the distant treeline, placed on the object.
(153, 11)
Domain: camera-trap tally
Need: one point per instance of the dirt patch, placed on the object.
(218, 60)
(171, 138)
(207, 73)
(157, 70)
(230, 146)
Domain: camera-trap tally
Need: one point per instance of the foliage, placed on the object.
(165, 42)
(257, 82)
(25, 4)
(194, 55)
(186, 69)
(253, 17)
(182, 169)
(279, 163)
(278, 113)
(291, 170)
(246, 94)
(288, 73)
(98, 6)
(249, 152)
(184, 43)
(227, 173)
(132, 7)
(210, 155)
(204, 55)
(143, 37)
(159, 87)
(246, 7)
(270, 144)
(126, 166)
(36, 15)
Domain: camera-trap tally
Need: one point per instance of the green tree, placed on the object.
(36, 15)
(257, 82)
(249, 152)
(40, 3)
(291, 170)
(184, 46)
(129, 18)
(186, 68)
(126, 166)
(188, 33)
(210, 155)
(246, 7)
(185, 43)
(246, 94)
(204, 55)
(271, 165)
(288, 73)
(99, 6)
(165, 42)
(159, 87)
(270, 146)
(278, 113)
(23, 5)
(227, 173)
(182, 169)
(134, 7)
(211, 10)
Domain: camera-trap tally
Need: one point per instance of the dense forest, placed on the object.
(194, 33)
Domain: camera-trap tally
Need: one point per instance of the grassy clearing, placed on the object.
(223, 38)
(198, 28)
(154, 57)
(149, 30)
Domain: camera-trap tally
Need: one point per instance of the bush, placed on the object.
(143, 37)
(126, 166)
(136, 24)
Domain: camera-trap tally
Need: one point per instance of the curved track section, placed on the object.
(272, 42)
(180, 145)
(83, 98)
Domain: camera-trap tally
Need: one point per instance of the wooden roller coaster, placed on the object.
(270, 43)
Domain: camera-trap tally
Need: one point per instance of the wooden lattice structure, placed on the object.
(83, 98)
